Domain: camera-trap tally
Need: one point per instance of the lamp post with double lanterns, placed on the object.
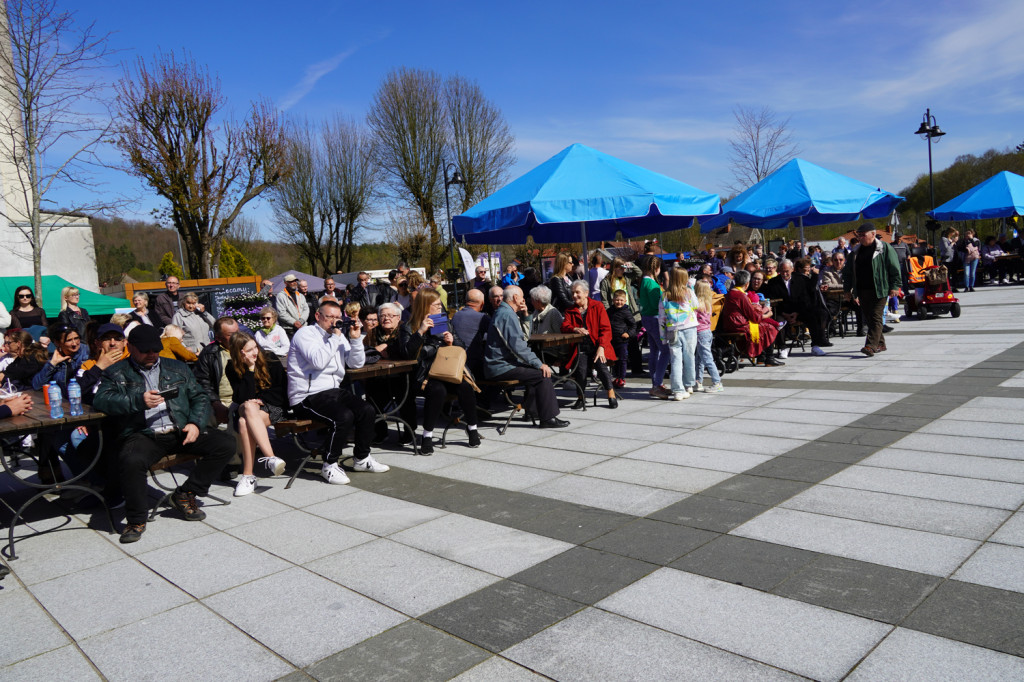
(454, 179)
(930, 132)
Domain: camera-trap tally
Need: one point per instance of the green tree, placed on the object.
(111, 262)
(169, 267)
(232, 262)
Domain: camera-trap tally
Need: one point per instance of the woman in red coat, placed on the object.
(589, 319)
(740, 316)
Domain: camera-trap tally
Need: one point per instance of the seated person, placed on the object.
(383, 339)
(371, 323)
(470, 326)
(316, 370)
(798, 301)
(272, 337)
(153, 426)
(260, 392)
(209, 368)
(16, 406)
(28, 358)
(415, 342)
(723, 280)
(995, 269)
(67, 358)
(494, 295)
(740, 316)
(174, 349)
(545, 318)
(507, 357)
(917, 263)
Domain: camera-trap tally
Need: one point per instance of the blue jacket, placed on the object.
(62, 373)
(506, 347)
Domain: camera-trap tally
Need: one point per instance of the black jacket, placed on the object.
(412, 346)
(77, 320)
(561, 294)
(209, 370)
(244, 387)
(798, 299)
(623, 322)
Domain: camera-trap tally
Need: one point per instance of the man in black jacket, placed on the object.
(799, 302)
(209, 368)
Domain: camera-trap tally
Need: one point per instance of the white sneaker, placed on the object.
(784, 353)
(334, 474)
(245, 486)
(369, 464)
(689, 390)
(275, 465)
(715, 388)
(680, 395)
(699, 388)
(815, 350)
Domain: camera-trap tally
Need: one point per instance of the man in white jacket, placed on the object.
(316, 369)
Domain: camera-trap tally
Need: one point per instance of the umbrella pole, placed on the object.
(583, 238)
(803, 243)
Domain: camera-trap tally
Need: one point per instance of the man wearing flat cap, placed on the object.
(871, 276)
(292, 308)
(162, 410)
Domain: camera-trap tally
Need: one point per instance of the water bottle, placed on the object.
(75, 398)
(56, 409)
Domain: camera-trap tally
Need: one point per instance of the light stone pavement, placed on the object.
(839, 518)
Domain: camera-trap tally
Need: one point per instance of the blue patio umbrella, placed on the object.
(807, 194)
(580, 193)
(1001, 196)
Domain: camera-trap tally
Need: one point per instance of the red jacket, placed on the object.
(596, 322)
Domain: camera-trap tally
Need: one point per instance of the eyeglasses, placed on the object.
(268, 317)
(330, 318)
(24, 295)
(390, 315)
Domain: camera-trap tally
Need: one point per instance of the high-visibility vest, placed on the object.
(917, 267)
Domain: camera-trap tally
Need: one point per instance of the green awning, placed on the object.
(96, 304)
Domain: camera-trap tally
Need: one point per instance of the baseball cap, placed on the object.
(290, 278)
(109, 328)
(146, 339)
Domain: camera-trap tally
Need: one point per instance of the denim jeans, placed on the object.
(658, 358)
(682, 359)
(970, 272)
(705, 359)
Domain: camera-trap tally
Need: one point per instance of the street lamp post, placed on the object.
(454, 179)
(930, 132)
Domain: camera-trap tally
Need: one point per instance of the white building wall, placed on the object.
(69, 252)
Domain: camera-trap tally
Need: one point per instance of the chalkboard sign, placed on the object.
(211, 292)
(226, 291)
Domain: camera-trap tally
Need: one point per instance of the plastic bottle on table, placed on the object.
(75, 398)
(56, 409)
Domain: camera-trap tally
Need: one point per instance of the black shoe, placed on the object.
(554, 423)
(773, 362)
(132, 533)
(613, 403)
(580, 403)
(886, 329)
(405, 437)
(868, 351)
(474, 439)
(426, 446)
(4, 571)
(185, 502)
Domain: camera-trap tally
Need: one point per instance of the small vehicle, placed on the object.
(938, 295)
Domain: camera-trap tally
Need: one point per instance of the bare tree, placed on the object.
(297, 201)
(351, 176)
(51, 118)
(762, 142)
(408, 235)
(480, 140)
(206, 169)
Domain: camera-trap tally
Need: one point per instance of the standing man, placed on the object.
(366, 294)
(330, 293)
(316, 370)
(292, 309)
(480, 282)
(166, 302)
(842, 247)
(160, 410)
(311, 300)
(872, 275)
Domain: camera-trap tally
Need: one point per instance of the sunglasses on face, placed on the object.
(24, 295)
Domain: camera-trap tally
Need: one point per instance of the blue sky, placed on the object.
(654, 83)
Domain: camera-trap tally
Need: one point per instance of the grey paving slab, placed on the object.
(848, 403)
(710, 513)
(933, 516)
(625, 498)
(576, 442)
(780, 412)
(299, 537)
(211, 563)
(302, 616)
(575, 523)
(984, 414)
(929, 442)
(508, 508)
(35, 633)
(843, 453)
(672, 411)
(739, 441)
(60, 552)
(891, 422)
(244, 510)
(966, 466)
(653, 541)
(797, 469)
(877, 592)
(919, 657)
(751, 423)
(411, 652)
(617, 429)
(1011, 532)
(808, 640)
(979, 429)
(486, 546)
(862, 435)
(578, 649)
(501, 615)
(760, 565)
(127, 590)
(700, 458)
(656, 416)
(497, 474)
(373, 513)
(441, 458)
(541, 458)
(995, 565)
(496, 669)
(656, 475)
(911, 550)
(161, 533)
(214, 649)
(307, 490)
(584, 575)
(66, 663)
(974, 614)
(757, 489)
(932, 486)
(404, 578)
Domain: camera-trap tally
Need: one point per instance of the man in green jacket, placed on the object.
(871, 276)
(161, 410)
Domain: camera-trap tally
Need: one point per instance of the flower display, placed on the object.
(246, 309)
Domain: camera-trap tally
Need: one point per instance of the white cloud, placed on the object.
(314, 73)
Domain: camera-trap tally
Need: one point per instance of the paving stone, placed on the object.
(966, 466)
(757, 489)
(302, 616)
(751, 423)
(917, 411)
(501, 615)
(59, 552)
(496, 669)
(890, 422)
(995, 565)
(751, 563)
(35, 632)
(634, 431)
(246, 510)
(911, 550)
(625, 498)
(126, 590)
(213, 650)
(654, 541)
(584, 647)
(781, 412)
(584, 575)
(928, 442)
(404, 578)
(578, 442)
(497, 474)
(1011, 532)
(869, 590)
(975, 614)
(710, 513)
(808, 640)
(988, 429)
(878, 438)
(984, 414)
(66, 663)
(574, 523)
(739, 441)
(373, 513)
(511, 508)
(796, 469)
(700, 458)
(656, 475)
(299, 537)
(931, 486)
(541, 458)
(843, 453)
(919, 657)
(412, 651)
(307, 490)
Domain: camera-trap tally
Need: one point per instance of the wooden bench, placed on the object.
(168, 464)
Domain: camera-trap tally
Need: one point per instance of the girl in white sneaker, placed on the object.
(704, 358)
(678, 323)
